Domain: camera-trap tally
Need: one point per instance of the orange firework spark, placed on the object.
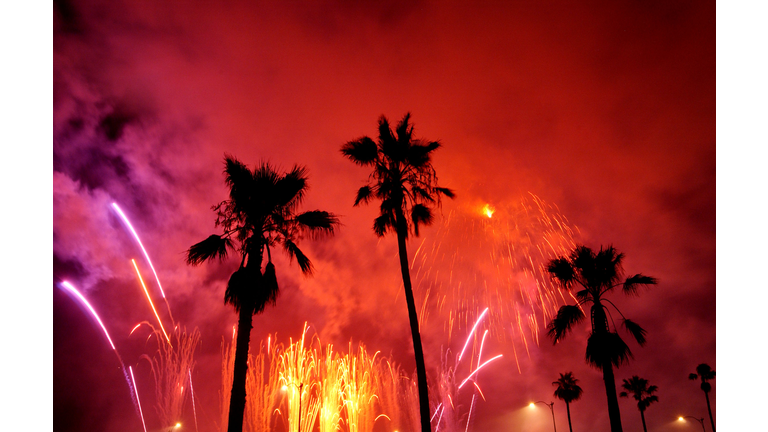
(150, 301)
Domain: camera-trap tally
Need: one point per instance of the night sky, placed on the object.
(600, 113)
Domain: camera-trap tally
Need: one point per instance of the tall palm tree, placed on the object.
(261, 212)
(405, 182)
(596, 274)
(641, 392)
(705, 372)
(568, 391)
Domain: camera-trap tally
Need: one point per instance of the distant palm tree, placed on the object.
(642, 393)
(405, 182)
(705, 372)
(597, 274)
(260, 213)
(567, 391)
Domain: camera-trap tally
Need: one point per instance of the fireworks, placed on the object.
(494, 256)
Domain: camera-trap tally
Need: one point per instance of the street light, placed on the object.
(701, 420)
(551, 406)
(300, 387)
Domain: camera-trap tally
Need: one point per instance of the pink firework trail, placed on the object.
(192, 392)
(146, 255)
(82, 299)
(136, 390)
(472, 332)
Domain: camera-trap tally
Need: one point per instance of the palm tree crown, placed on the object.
(403, 178)
(640, 391)
(261, 212)
(567, 388)
(595, 275)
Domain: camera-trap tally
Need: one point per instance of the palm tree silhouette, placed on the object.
(705, 372)
(405, 182)
(597, 274)
(641, 392)
(567, 391)
(260, 213)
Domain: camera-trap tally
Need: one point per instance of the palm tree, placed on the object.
(642, 393)
(597, 274)
(405, 182)
(260, 213)
(705, 372)
(567, 391)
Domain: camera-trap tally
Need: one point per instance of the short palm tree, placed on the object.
(405, 182)
(261, 212)
(642, 393)
(705, 373)
(596, 274)
(568, 391)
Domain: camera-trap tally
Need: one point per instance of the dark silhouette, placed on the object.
(405, 182)
(705, 372)
(595, 275)
(642, 393)
(567, 391)
(260, 213)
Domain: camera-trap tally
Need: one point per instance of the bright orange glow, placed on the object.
(681, 419)
(532, 405)
(150, 300)
(488, 210)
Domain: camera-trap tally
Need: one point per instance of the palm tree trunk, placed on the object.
(568, 410)
(413, 318)
(709, 408)
(642, 417)
(613, 401)
(237, 397)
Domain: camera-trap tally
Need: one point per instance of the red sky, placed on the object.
(604, 110)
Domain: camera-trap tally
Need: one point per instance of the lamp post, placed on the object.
(551, 406)
(300, 387)
(701, 421)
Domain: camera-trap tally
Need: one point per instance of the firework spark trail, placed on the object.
(478, 370)
(150, 301)
(82, 299)
(171, 366)
(192, 392)
(136, 390)
(146, 255)
(477, 322)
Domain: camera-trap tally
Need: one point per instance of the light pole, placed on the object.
(551, 406)
(300, 387)
(701, 420)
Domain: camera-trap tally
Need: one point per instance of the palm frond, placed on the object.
(566, 317)
(291, 188)
(382, 224)
(213, 247)
(635, 330)
(294, 252)
(421, 215)
(363, 195)
(562, 270)
(241, 287)
(239, 179)
(362, 151)
(318, 222)
(419, 154)
(267, 290)
(606, 348)
(693, 377)
(446, 191)
(632, 283)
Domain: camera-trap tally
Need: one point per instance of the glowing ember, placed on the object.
(488, 210)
